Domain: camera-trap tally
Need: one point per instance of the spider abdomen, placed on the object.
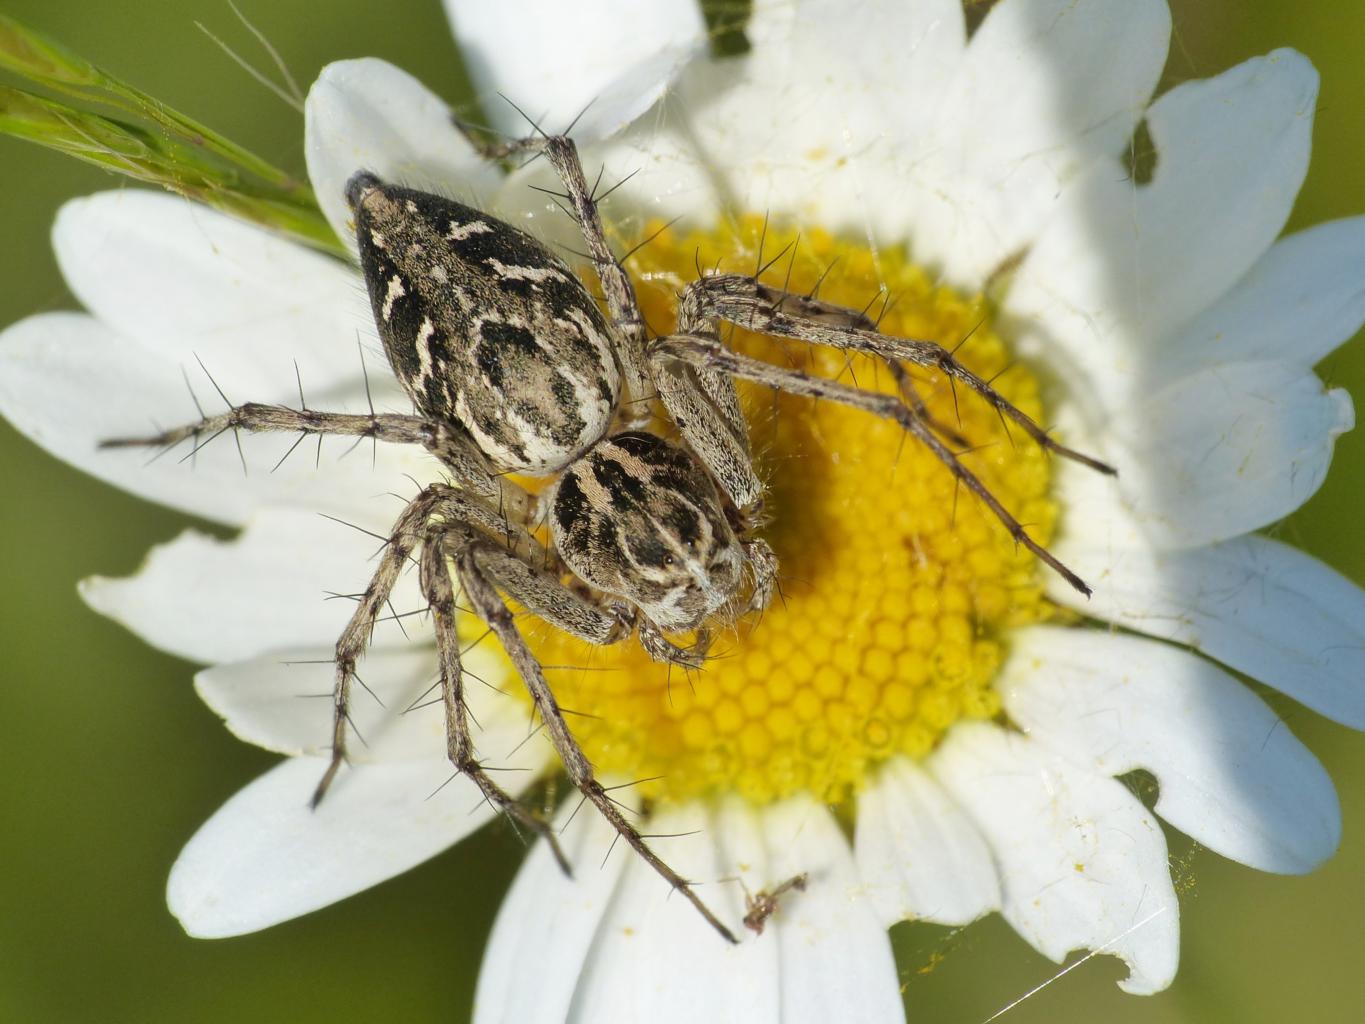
(485, 327)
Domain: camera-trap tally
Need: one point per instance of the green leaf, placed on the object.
(156, 143)
(32, 55)
(151, 157)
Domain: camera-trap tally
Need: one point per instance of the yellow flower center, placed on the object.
(897, 591)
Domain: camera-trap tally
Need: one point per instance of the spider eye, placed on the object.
(669, 561)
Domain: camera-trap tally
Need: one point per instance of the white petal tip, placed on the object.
(202, 913)
(1345, 411)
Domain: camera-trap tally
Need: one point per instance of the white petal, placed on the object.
(1223, 452)
(823, 955)
(726, 140)
(890, 61)
(283, 702)
(267, 857)
(868, 80)
(68, 382)
(1046, 88)
(547, 922)
(864, 78)
(210, 600)
(369, 115)
(919, 856)
(1082, 863)
(1232, 775)
(613, 57)
(652, 948)
(1300, 301)
(1120, 265)
(263, 314)
(836, 955)
(1256, 605)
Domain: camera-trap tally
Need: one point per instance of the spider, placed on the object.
(513, 368)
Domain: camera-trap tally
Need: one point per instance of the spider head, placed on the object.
(638, 518)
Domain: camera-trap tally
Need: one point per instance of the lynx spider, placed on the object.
(513, 368)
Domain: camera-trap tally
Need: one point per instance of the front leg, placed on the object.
(660, 648)
(762, 562)
(483, 596)
(708, 351)
(749, 303)
(713, 427)
(439, 590)
(541, 593)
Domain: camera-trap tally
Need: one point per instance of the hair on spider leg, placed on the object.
(1012, 364)
(303, 436)
(358, 735)
(530, 735)
(484, 798)
(236, 432)
(185, 375)
(393, 617)
(881, 293)
(814, 292)
(434, 702)
(789, 247)
(599, 200)
(646, 241)
(888, 304)
(385, 542)
(508, 815)
(762, 241)
(366, 687)
(967, 337)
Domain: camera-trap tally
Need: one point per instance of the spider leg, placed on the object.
(543, 594)
(832, 316)
(712, 353)
(752, 304)
(489, 606)
(915, 403)
(714, 428)
(436, 508)
(617, 288)
(407, 533)
(762, 563)
(660, 648)
(439, 591)
(443, 440)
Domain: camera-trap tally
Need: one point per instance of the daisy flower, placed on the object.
(928, 725)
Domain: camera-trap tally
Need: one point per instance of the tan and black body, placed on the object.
(512, 367)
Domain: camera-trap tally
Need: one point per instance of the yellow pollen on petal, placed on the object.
(898, 589)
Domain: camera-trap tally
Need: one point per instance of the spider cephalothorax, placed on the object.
(639, 518)
(514, 368)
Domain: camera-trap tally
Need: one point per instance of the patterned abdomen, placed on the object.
(485, 327)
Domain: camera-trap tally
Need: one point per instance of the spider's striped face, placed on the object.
(639, 519)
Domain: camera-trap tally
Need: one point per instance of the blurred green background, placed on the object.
(110, 762)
